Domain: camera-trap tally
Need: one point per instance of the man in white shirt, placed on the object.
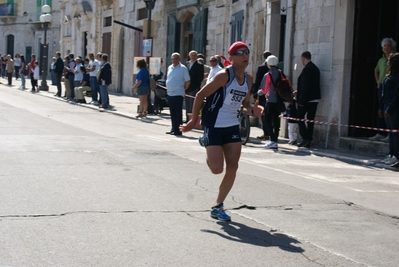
(93, 68)
(215, 68)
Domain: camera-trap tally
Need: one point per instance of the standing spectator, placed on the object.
(52, 71)
(71, 74)
(308, 95)
(388, 46)
(83, 87)
(196, 71)
(274, 105)
(36, 75)
(142, 87)
(78, 76)
(10, 69)
(3, 66)
(17, 65)
(225, 94)
(22, 72)
(389, 108)
(93, 68)
(31, 68)
(66, 79)
(105, 80)
(215, 68)
(207, 69)
(58, 69)
(177, 82)
(260, 72)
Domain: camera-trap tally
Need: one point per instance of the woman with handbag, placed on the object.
(23, 71)
(142, 87)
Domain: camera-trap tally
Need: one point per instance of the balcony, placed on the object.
(8, 10)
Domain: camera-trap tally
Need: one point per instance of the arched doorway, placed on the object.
(10, 45)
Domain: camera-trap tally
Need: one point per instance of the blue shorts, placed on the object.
(221, 136)
(143, 90)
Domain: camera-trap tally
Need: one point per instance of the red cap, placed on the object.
(237, 45)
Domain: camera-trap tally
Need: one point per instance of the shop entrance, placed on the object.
(374, 20)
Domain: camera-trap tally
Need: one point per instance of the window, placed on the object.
(107, 21)
(142, 13)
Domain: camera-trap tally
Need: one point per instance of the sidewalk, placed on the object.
(126, 106)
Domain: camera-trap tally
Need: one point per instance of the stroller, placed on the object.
(161, 98)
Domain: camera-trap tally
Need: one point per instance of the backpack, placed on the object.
(153, 84)
(283, 87)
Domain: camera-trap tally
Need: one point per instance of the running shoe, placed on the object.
(217, 212)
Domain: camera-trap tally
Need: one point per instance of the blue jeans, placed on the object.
(3, 71)
(23, 80)
(53, 77)
(94, 86)
(104, 95)
(71, 79)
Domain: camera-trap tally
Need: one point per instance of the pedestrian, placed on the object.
(260, 73)
(67, 85)
(225, 94)
(291, 112)
(389, 108)
(36, 75)
(83, 86)
(17, 65)
(31, 68)
(388, 46)
(196, 72)
(93, 68)
(71, 74)
(3, 65)
(308, 95)
(58, 69)
(78, 76)
(215, 68)
(141, 87)
(177, 82)
(52, 71)
(22, 72)
(10, 69)
(104, 80)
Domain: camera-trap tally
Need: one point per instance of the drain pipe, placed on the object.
(331, 76)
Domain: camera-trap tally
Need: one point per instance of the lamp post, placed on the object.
(149, 4)
(45, 18)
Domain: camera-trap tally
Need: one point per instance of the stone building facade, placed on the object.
(332, 30)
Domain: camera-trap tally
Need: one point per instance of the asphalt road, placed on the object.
(84, 188)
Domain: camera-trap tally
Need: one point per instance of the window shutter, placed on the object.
(200, 22)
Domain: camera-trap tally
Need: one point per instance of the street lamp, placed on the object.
(45, 18)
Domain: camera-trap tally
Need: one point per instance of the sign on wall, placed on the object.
(186, 3)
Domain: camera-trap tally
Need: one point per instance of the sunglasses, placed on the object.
(213, 60)
(241, 52)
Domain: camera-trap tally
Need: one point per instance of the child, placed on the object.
(36, 74)
(292, 124)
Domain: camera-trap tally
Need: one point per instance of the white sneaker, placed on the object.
(385, 140)
(392, 161)
(376, 137)
(95, 103)
(386, 159)
(270, 145)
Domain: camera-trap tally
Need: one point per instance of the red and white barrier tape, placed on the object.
(163, 87)
(342, 125)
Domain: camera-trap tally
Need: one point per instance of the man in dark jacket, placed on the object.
(104, 80)
(58, 70)
(308, 96)
(262, 70)
(196, 71)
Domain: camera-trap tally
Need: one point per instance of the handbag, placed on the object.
(26, 71)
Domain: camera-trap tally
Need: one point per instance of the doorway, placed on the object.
(374, 20)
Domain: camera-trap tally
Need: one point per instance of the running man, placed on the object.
(226, 92)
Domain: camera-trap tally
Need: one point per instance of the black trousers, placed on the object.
(9, 76)
(58, 82)
(306, 130)
(32, 82)
(272, 120)
(176, 112)
(262, 102)
(380, 121)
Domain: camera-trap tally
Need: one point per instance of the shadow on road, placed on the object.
(239, 232)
